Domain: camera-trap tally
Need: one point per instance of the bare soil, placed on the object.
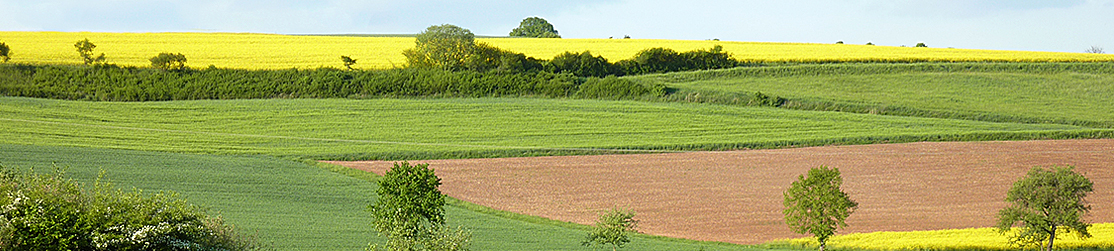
(736, 196)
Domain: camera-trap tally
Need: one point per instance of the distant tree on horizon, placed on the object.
(1095, 49)
(5, 52)
(535, 27)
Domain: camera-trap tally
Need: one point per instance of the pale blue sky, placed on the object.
(1053, 25)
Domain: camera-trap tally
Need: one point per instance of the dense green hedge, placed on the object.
(882, 68)
(112, 83)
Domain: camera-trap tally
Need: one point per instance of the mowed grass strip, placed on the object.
(448, 128)
(271, 51)
(291, 205)
(1035, 92)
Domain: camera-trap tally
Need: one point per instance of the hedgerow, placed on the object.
(114, 83)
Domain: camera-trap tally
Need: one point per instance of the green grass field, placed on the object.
(1059, 93)
(292, 205)
(447, 128)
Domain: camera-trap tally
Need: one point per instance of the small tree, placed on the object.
(1046, 202)
(441, 46)
(5, 52)
(535, 27)
(1095, 49)
(85, 49)
(410, 213)
(816, 204)
(348, 61)
(612, 228)
(921, 45)
(169, 61)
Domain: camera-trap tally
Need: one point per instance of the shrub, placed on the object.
(169, 61)
(348, 61)
(49, 212)
(662, 60)
(921, 45)
(582, 64)
(5, 52)
(85, 50)
(444, 46)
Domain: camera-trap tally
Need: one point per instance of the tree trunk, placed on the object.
(822, 245)
(1051, 237)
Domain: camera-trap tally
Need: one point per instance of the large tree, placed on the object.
(612, 228)
(817, 205)
(1046, 202)
(442, 46)
(535, 27)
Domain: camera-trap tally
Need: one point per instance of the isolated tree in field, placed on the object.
(348, 61)
(1044, 203)
(921, 45)
(1095, 49)
(612, 228)
(441, 46)
(5, 52)
(169, 61)
(410, 213)
(85, 49)
(535, 27)
(817, 205)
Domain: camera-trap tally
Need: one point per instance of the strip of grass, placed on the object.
(1064, 93)
(467, 128)
(297, 206)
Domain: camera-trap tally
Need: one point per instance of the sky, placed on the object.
(1031, 25)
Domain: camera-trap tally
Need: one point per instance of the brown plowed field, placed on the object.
(736, 196)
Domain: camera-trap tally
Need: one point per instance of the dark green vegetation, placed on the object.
(295, 205)
(469, 128)
(50, 212)
(169, 61)
(613, 228)
(1046, 203)
(5, 52)
(816, 204)
(1051, 93)
(111, 83)
(535, 27)
(85, 50)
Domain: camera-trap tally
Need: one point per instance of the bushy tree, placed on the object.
(921, 45)
(410, 211)
(1044, 203)
(817, 205)
(612, 228)
(169, 61)
(5, 52)
(442, 46)
(348, 61)
(50, 212)
(535, 27)
(582, 64)
(85, 49)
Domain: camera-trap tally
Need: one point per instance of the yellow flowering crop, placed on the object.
(269, 51)
(955, 239)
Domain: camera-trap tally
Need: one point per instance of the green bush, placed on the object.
(169, 61)
(49, 212)
(582, 64)
(614, 88)
(662, 60)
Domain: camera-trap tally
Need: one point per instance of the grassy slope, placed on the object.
(1066, 95)
(443, 128)
(292, 205)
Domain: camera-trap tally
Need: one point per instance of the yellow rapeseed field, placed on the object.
(955, 239)
(270, 51)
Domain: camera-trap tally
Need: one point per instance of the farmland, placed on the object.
(268, 51)
(251, 156)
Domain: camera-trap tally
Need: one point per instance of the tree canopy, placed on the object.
(535, 27)
(612, 228)
(410, 211)
(5, 52)
(85, 49)
(1046, 202)
(817, 205)
(443, 46)
(169, 61)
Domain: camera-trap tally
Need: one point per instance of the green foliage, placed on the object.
(535, 27)
(582, 64)
(616, 88)
(169, 62)
(49, 212)
(410, 211)
(921, 45)
(348, 62)
(5, 52)
(85, 50)
(1044, 203)
(662, 60)
(445, 46)
(817, 205)
(612, 228)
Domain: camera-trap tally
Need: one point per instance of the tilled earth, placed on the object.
(736, 196)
